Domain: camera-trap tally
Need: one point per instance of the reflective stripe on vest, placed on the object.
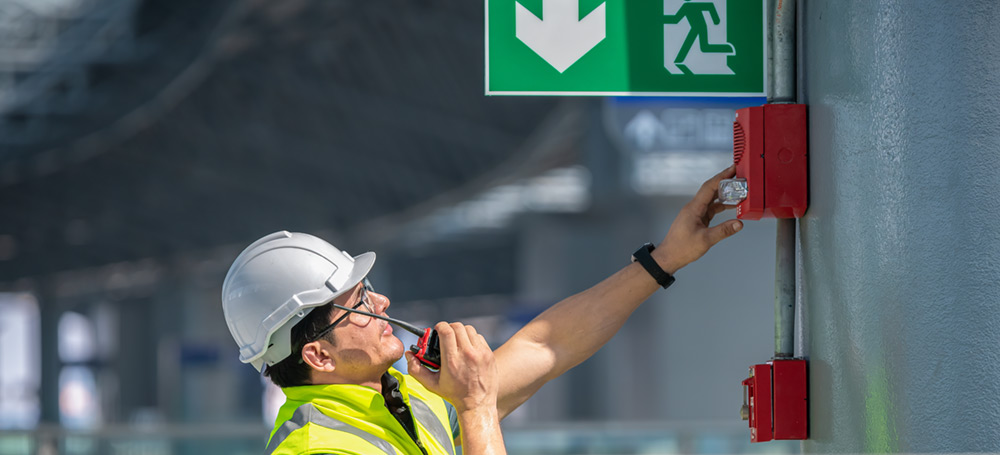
(307, 413)
(423, 414)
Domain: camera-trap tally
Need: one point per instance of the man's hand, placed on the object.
(468, 376)
(690, 236)
(468, 379)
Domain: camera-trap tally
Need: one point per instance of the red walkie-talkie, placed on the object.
(427, 349)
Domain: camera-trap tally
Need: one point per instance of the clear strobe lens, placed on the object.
(732, 191)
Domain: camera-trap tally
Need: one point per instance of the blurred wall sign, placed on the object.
(672, 145)
(619, 47)
(198, 354)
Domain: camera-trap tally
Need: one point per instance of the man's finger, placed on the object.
(481, 342)
(446, 336)
(723, 230)
(709, 190)
(421, 374)
(476, 338)
(461, 335)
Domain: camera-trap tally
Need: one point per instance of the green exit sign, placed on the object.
(626, 47)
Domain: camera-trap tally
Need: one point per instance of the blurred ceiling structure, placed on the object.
(136, 129)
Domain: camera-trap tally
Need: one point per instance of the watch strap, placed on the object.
(644, 258)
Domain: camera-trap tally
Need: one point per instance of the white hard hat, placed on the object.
(275, 282)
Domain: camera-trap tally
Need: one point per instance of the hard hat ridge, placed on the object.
(277, 281)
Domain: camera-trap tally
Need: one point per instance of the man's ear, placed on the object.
(318, 356)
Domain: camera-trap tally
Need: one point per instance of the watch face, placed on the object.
(645, 246)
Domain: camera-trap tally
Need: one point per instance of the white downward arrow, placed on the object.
(561, 38)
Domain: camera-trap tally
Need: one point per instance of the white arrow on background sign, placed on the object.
(561, 37)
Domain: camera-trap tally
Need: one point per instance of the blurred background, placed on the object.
(144, 143)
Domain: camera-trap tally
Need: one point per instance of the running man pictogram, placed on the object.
(703, 62)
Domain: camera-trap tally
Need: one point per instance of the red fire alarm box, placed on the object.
(775, 400)
(770, 152)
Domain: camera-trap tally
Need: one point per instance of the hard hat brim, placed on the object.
(363, 264)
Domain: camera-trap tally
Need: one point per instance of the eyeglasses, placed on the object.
(363, 301)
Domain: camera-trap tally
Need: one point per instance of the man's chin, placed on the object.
(395, 348)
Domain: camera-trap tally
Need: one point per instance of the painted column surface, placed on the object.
(901, 243)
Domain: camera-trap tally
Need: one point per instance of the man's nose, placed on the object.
(381, 302)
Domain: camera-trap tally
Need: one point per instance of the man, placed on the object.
(343, 397)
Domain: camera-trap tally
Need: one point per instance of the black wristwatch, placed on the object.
(643, 256)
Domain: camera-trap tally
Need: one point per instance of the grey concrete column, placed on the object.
(49, 312)
(900, 244)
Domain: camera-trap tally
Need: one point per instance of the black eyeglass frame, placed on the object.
(365, 289)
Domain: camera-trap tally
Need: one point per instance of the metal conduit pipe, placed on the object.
(781, 61)
(781, 89)
(784, 290)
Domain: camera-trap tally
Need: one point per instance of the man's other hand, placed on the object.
(468, 375)
(690, 236)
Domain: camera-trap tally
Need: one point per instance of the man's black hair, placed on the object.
(291, 371)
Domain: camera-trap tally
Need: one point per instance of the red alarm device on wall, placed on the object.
(770, 150)
(776, 400)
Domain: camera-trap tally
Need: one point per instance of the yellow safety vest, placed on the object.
(353, 419)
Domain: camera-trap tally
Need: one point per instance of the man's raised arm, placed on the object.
(575, 328)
